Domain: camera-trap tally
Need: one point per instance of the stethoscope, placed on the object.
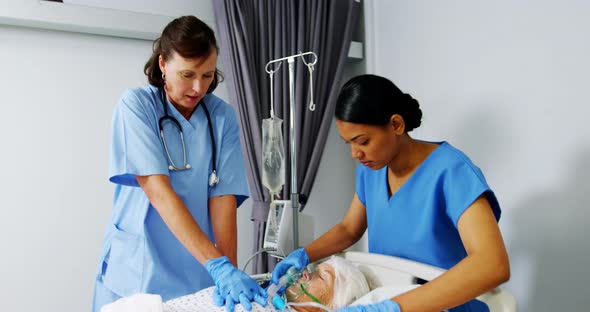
(213, 178)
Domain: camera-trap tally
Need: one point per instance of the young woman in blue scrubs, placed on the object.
(424, 201)
(172, 232)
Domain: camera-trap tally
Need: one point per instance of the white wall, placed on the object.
(59, 90)
(201, 8)
(506, 81)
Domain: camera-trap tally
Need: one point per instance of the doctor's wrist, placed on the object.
(214, 265)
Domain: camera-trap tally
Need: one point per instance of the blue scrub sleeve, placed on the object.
(136, 148)
(463, 184)
(360, 184)
(230, 162)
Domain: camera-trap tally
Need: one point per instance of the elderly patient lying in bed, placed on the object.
(334, 283)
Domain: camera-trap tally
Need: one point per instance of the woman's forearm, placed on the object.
(485, 266)
(177, 217)
(341, 236)
(473, 276)
(223, 211)
(335, 240)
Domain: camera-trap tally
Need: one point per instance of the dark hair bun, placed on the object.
(412, 113)
(372, 100)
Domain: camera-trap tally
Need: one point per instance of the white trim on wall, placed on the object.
(83, 19)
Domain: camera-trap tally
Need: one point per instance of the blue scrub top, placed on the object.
(419, 222)
(140, 253)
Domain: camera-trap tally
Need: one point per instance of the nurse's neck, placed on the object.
(186, 112)
(411, 155)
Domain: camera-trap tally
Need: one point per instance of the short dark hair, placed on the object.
(371, 99)
(190, 38)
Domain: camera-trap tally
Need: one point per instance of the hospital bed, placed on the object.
(381, 270)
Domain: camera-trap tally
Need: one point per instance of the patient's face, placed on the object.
(320, 284)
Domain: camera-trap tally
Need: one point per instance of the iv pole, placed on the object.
(293, 147)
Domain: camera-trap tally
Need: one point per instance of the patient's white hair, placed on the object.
(350, 283)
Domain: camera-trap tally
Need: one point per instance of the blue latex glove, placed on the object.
(233, 286)
(298, 258)
(383, 306)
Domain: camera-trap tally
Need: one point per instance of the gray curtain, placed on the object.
(253, 32)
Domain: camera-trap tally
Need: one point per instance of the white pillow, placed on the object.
(381, 293)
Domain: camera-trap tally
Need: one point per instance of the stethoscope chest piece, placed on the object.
(213, 178)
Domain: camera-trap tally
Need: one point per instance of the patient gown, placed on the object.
(419, 222)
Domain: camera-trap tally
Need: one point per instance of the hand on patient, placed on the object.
(297, 258)
(383, 306)
(233, 286)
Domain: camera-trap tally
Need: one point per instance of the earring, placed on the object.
(164, 77)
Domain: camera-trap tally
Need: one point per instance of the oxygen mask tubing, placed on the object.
(295, 284)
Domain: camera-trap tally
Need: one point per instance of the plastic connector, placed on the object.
(278, 302)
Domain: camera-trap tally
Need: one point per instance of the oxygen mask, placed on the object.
(301, 285)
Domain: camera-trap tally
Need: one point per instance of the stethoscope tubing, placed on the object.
(214, 178)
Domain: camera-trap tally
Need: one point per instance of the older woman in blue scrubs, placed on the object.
(173, 227)
(424, 201)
